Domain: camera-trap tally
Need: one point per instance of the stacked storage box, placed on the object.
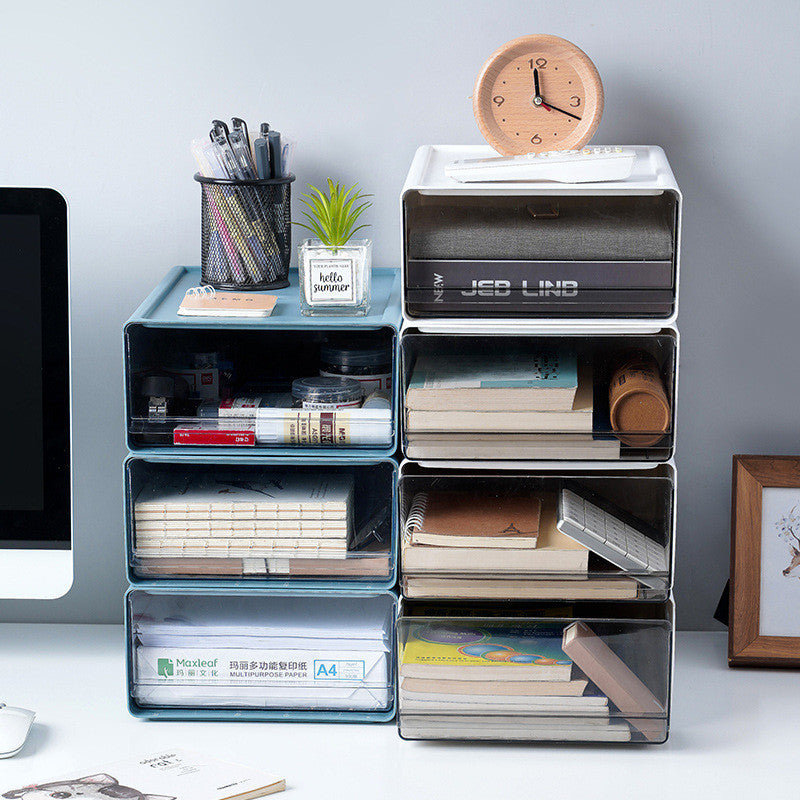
(539, 365)
(261, 542)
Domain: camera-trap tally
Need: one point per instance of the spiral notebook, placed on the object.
(205, 301)
(459, 519)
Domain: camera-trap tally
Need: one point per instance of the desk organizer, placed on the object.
(541, 559)
(573, 673)
(247, 232)
(578, 283)
(278, 523)
(247, 654)
(591, 435)
(476, 252)
(221, 358)
(281, 609)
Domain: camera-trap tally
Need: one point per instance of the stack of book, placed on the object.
(499, 546)
(224, 523)
(503, 406)
(554, 681)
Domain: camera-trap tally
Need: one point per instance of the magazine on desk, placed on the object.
(172, 774)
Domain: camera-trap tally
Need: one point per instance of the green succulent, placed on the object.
(332, 217)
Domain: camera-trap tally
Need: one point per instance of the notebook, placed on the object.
(238, 495)
(353, 565)
(169, 774)
(473, 519)
(204, 301)
(433, 703)
(554, 552)
(512, 588)
(513, 728)
(481, 652)
(493, 382)
(571, 688)
(544, 447)
(217, 547)
(577, 420)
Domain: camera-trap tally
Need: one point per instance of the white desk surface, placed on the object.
(735, 734)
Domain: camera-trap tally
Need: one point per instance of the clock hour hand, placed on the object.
(537, 98)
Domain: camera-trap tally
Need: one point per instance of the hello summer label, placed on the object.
(332, 280)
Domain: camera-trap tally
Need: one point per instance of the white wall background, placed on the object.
(100, 100)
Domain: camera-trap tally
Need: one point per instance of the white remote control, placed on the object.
(589, 165)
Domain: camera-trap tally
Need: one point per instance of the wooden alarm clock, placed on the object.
(538, 93)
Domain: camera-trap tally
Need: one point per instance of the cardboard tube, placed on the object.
(638, 401)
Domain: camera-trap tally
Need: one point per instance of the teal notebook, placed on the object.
(555, 370)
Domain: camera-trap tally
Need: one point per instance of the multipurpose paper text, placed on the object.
(765, 562)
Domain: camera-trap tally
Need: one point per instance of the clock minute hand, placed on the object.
(556, 108)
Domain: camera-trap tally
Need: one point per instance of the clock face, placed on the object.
(538, 93)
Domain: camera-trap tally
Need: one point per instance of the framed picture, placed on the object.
(764, 627)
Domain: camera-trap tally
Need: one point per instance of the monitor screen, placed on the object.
(34, 360)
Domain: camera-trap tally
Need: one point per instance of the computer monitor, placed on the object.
(35, 430)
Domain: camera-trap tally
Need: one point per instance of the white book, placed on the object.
(241, 547)
(244, 527)
(244, 494)
(578, 420)
(416, 726)
(430, 702)
(169, 774)
(493, 382)
(563, 448)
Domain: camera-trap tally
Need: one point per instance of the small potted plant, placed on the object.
(335, 268)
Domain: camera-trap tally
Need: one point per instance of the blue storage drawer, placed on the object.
(216, 358)
(271, 543)
(257, 654)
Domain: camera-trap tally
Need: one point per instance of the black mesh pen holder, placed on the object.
(247, 236)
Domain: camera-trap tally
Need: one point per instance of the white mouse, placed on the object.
(15, 723)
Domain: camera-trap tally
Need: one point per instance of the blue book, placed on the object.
(545, 381)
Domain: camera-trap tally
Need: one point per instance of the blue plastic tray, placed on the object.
(255, 715)
(160, 310)
(341, 584)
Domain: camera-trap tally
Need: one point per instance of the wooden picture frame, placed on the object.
(765, 524)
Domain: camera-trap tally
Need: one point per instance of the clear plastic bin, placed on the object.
(286, 652)
(274, 522)
(581, 420)
(566, 673)
(232, 387)
(489, 535)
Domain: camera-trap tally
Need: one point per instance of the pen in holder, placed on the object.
(246, 232)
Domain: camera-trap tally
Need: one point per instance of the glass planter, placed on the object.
(335, 281)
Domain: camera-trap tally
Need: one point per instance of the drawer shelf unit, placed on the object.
(596, 354)
(644, 497)
(251, 356)
(298, 557)
(318, 564)
(581, 672)
(566, 254)
(223, 660)
(525, 268)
